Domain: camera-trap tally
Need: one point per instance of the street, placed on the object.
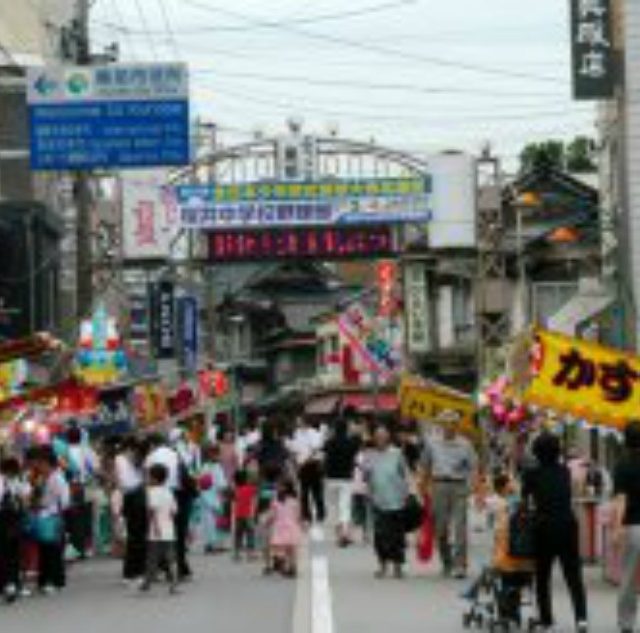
(229, 597)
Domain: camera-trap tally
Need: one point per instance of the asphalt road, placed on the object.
(335, 593)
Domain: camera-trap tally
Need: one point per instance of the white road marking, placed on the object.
(317, 533)
(321, 607)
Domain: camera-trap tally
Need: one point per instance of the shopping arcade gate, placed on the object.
(297, 161)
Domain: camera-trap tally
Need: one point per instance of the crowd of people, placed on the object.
(150, 499)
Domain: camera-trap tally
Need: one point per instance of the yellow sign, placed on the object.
(425, 400)
(583, 379)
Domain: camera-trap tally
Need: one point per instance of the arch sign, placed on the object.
(297, 204)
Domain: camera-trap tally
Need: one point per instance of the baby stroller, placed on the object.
(500, 602)
(501, 596)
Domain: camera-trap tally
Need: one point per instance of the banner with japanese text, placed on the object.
(583, 379)
(425, 400)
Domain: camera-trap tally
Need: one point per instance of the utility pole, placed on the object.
(81, 187)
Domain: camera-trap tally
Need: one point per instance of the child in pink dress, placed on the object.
(286, 529)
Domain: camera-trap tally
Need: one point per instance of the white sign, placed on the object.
(453, 224)
(150, 218)
(114, 82)
(417, 308)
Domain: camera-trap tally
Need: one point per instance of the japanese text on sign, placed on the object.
(592, 49)
(583, 379)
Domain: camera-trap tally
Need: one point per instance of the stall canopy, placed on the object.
(368, 402)
(322, 405)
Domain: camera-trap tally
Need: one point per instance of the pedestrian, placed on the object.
(129, 479)
(161, 539)
(450, 462)
(286, 529)
(182, 485)
(340, 454)
(82, 467)
(548, 486)
(229, 455)
(626, 525)
(213, 486)
(306, 446)
(14, 496)
(361, 499)
(51, 500)
(388, 481)
(243, 510)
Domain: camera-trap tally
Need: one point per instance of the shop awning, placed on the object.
(577, 310)
(322, 405)
(367, 402)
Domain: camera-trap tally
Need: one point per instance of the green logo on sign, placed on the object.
(78, 84)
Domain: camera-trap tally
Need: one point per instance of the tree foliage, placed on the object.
(575, 156)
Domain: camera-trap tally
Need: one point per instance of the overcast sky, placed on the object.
(417, 74)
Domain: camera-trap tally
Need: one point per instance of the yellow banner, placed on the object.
(425, 400)
(583, 379)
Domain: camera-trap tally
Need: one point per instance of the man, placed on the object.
(626, 525)
(179, 481)
(306, 446)
(450, 462)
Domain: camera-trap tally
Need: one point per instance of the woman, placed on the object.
(213, 486)
(548, 485)
(52, 500)
(229, 455)
(388, 479)
(129, 476)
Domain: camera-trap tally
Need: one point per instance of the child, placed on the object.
(286, 528)
(244, 511)
(512, 572)
(162, 509)
(213, 486)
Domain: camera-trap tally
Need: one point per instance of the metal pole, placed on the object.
(82, 193)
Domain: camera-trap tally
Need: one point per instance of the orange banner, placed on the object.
(583, 379)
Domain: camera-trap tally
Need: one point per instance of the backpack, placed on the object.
(11, 513)
(521, 532)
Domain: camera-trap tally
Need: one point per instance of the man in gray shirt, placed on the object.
(450, 464)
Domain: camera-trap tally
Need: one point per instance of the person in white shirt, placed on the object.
(177, 475)
(307, 447)
(161, 538)
(130, 482)
(53, 500)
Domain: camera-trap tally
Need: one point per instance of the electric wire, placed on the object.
(145, 26)
(377, 48)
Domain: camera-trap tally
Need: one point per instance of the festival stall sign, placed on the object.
(426, 400)
(29, 347)
(101, 358)
(13, 376)
(150, 404)
(583, 379)
(373, 340)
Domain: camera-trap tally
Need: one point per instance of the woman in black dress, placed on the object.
(548, 485)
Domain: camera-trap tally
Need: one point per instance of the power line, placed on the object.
(119, 16)
(383, 50)
(169, 29)
(145, 26)
(371, 115)
(270, 24)
(369, 85)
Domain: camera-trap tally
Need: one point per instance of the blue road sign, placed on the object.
(116, 116)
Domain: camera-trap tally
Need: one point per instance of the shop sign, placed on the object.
(164, 315)
(416, 308)
(592, 49)
(424, 400)
(583, 379)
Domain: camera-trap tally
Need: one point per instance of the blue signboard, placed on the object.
(201, 207)
(188, 311)
(108, 117)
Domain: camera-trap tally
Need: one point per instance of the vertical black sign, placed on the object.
(592, 49)
(164, 320)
